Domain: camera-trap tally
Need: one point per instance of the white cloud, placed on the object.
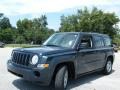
(11, 7)
(37, 7)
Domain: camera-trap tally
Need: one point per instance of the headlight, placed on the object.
(35, 59)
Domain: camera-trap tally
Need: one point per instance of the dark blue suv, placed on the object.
(63, 56)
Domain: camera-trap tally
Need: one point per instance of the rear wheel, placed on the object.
(61, 78)
(108, 67)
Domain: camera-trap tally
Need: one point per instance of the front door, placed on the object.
(86, 56)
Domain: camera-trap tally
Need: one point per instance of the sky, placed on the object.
(53, 9)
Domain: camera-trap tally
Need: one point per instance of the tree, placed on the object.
(116, 39)
(35, 30)
(23, 25)
(27, 31)
(4, 22)
(1, 14)
(20, 39)
(40, 23)
(6, 35)
(90, 21)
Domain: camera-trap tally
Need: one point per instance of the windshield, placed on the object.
(61, 40)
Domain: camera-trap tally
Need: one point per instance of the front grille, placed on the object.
(21, 58)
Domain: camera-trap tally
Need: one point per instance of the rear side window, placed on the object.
(98, 41)
(107, 41)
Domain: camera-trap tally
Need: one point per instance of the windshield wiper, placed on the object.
(52, 45)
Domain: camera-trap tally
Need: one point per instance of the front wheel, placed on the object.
(108, 67)
(61, 78)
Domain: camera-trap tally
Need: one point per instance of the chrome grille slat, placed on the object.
(21, 58)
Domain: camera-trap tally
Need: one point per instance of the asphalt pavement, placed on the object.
(94, 81)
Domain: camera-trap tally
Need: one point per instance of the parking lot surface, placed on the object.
(94, 81)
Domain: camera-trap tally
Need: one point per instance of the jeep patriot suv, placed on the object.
(63, 56)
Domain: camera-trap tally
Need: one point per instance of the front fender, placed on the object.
(54, 61)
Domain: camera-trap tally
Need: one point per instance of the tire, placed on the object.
(108, 67)
(61, 78)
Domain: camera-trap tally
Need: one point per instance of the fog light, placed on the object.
(37, 74)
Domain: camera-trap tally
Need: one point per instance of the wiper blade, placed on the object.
(52, 45)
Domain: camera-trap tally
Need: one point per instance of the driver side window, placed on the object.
(86, 42)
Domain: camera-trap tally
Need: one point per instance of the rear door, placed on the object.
(100, 51)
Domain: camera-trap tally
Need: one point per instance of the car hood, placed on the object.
(45, 50)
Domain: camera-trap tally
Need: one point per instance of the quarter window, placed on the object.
(98, 41)
(107, 41)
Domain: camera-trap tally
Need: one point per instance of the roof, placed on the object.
(90, 33)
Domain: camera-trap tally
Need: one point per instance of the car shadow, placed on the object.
(21, 84)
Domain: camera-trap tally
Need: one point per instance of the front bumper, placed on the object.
(42, 76)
